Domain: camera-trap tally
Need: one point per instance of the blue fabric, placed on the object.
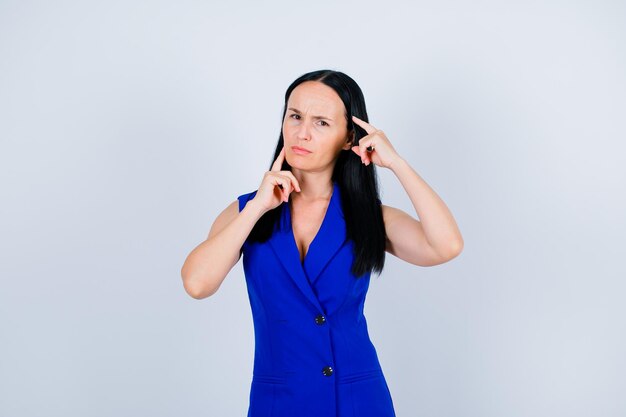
(292, 347)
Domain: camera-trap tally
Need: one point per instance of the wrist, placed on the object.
(396, 162)
(254, 207)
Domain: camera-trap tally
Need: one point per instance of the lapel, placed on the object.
(328, 240)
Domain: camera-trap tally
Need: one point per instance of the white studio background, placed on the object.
(127, 126)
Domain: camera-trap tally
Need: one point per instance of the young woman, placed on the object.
(311, 235)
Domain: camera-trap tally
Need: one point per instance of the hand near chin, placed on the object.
(276, 185)
(375, 146)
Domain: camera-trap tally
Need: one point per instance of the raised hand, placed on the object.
(375, 147)
(276, 185)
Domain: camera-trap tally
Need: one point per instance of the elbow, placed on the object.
(448, 253)
(199, 292)
(455, 249)
(200, 295)
(195, 289)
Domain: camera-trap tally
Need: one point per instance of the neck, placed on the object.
(313, 186)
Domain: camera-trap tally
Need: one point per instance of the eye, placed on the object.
(325, 124)
(293, 114)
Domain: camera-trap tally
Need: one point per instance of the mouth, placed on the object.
(300, 151)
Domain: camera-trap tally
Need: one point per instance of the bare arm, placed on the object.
(433, 240)
(208, 263)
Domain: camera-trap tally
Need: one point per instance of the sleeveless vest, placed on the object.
(313, 355)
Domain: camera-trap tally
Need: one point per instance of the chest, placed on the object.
(306, 221)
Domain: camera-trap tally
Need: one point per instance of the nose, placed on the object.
(303, 131)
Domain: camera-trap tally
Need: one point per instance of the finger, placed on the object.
(283, 185)
(294, 184)
(287, 184)
(293, 179)
(366, 146)
(368, 127)
(359, 150)
(365, 153)
(278, 163)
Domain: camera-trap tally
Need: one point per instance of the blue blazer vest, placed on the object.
(313, 355)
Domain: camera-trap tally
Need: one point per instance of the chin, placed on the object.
(301, 167)
(295, 162)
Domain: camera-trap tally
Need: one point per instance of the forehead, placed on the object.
(316, 97)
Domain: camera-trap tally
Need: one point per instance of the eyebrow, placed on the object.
(315, 117)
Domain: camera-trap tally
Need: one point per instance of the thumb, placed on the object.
(355, 149)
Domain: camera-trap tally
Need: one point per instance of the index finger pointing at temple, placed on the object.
(368, 127)
(278, 163)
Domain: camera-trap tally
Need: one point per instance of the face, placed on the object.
(315, 120)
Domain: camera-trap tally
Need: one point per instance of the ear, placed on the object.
(349, 139)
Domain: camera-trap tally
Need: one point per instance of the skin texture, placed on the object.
(324, 137)
(316, 120)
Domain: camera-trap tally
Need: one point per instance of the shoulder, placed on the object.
(244, 198)
(224, 218)
(230, 212)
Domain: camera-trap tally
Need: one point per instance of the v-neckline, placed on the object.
(324, 221)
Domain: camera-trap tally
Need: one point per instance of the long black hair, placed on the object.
(357, 182)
